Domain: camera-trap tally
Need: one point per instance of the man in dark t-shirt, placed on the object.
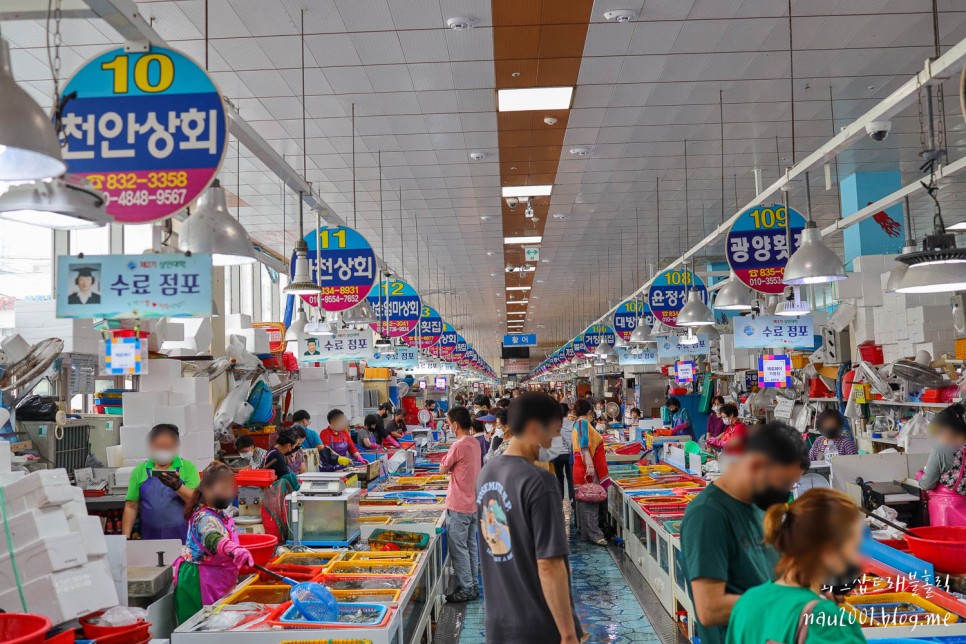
(523, 539)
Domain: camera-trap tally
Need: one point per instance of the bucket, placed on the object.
(942, 546)
(23, 628)
(261, 547)
(97, 631)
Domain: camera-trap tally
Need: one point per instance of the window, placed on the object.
(91, 241)
(246, 289)
(26, 268)
(269, 289)
(229, 271)
(282, 297)
(138, 238)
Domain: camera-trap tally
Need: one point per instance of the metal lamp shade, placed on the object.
(933, 278)
(603, 350)
(641, 333)
(813, 262)
(297, 327)
(60, 204)
(619, 342)
(689, 340)
(360, 314)
(211, 230)
(695, 312)
(302, 283)
(898, 272)
(29, 149)
(733, 296)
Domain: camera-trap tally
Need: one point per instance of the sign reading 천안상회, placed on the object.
(147, 128)
(133, 286)
(342, 263)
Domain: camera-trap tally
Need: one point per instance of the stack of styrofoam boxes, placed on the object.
(47, 519)
(192, 338)
(355, 406)
(321, 389)
(239, 324)
(733, 359)
(166, 397)
(36, 320)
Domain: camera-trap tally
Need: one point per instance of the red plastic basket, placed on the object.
(871, 352)
(256, 478)
(96, 631)
(23, 628)
(942, 546)
(261, 547)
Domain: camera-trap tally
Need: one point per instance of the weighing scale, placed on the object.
(324, 512)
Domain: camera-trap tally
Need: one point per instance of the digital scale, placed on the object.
(324, 512)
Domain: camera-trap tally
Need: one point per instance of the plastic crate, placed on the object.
(315, 559)
(392, 568)
(373, 519)
(377, 616)
(381, 539)
(362, 582)
(368, 596)
(394, 556)
(260, 594)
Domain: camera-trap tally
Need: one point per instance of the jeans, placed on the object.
(563, 465)
(463, 550)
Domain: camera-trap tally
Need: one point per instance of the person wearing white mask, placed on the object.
(159, 488)
(716, 425)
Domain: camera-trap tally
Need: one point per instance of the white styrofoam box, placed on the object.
(195, 447)
(173, 414)
(40, 489)
(115, 456)
(64, 595)
(188, 391)
(333, 368)
(5, 458)
(91, 534)
(163, 368)
(203, 462)
(197, 336)
(134, 440)
(139, 406)
(35, 524)
(261, 342)
(198, 418)
(916, 334)
(122, 476)
(132, 462)
(42, 557)
(871, 293)
(76, 507)
(238, 321)
(850, 287)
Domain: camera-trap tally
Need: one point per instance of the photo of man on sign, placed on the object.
(86, 289)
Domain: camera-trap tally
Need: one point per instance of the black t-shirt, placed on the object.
(380, 430)
(280, 465)
(520, 518)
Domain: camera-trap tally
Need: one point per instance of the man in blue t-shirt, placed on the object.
(312, 440)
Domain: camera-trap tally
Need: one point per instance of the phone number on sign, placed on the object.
(765, 276)
(144, 197)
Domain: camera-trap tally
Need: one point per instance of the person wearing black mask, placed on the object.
(722, 538)
(835, 440)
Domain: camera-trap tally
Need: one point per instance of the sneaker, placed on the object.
(460, 596)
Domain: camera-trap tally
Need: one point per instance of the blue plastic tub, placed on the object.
(374, 615)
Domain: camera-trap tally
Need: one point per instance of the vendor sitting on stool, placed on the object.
(211, 558)
(336, 437)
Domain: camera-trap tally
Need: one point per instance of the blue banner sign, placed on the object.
(403, 358)
(133, 286)
(520, 340)
(777, 331)
(669, 347)
(626, 356)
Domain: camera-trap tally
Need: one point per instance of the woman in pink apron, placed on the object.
(943, 475)
(211, 558)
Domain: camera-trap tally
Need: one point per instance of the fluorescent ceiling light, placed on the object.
(536, 239)
(527, 191)
(534, 98)
(518, 288)
(517, 302)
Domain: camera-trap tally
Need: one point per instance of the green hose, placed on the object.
(13, 560)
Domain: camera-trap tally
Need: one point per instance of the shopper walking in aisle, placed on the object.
(817, 538)
(676, 417)
(159, 488)
(211, 557)
(590, 467)
(835, 440)
(526, 574)
(715, 425)
(732, 440)
(462, 462)
(336, 438)
(562, 452)
(478, 426)
(312, 440)
(943, 474)
(499, 441)
(722, 538)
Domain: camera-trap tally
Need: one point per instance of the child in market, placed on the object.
(211, 557)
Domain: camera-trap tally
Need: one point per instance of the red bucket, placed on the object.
(942, 546)
(97, 631)
(261, 546)
(23, 628)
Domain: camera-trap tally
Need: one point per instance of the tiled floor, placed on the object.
(608, 610)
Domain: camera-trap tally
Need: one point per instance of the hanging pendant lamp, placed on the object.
(603, 349)
(29, 149)
(793, 304)
(297, 327)
(302, 283)
(211, 230)
(695, 312)
(813, 262)
(689, 340)
(733, 296)
(70, 203)
(360, 314)
(642, 333)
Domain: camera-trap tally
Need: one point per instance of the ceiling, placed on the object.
(646, 91)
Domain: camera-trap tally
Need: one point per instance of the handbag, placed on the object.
(801, 631)
(946, 505)
(591, 493)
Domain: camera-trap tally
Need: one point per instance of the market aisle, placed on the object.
(606, 606)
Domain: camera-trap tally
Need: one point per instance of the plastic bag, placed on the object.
(121, 616)
(37, 408)
(915, 427)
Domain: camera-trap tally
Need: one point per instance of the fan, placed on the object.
(24, 372)
(613, 411)
(403, 389)
(918, 372)
(425, 417)
(874, 380)
(217, 367)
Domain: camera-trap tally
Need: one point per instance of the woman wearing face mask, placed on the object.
(732, 439)
(211, 558)
(818, 538)
(248, 450)
(295, 458)
(831, 425)
(159, 488)
(590, 466)
(945, 472)
(715, 425)
(336, 437)
(676, 417)
(277, 458)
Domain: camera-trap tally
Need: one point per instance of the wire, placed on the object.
(13, 559)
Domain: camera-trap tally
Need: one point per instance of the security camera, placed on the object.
(512, 202)
(878, 130)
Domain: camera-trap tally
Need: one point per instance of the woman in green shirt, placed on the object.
(818, 538)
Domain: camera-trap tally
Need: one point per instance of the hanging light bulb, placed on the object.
(603, 349)
(302, 283)
(619, 342)
(813, 262)
(933, 278)
(29, 149)
(297, 327)
(793, 304)
(733, 295)
(389, 350)
(695, 312)
(641, 333)
(211, 230)
(70, 203)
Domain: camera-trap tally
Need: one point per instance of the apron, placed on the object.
(947, 506)
(161, 511)
(218, 573)
(341, 448)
